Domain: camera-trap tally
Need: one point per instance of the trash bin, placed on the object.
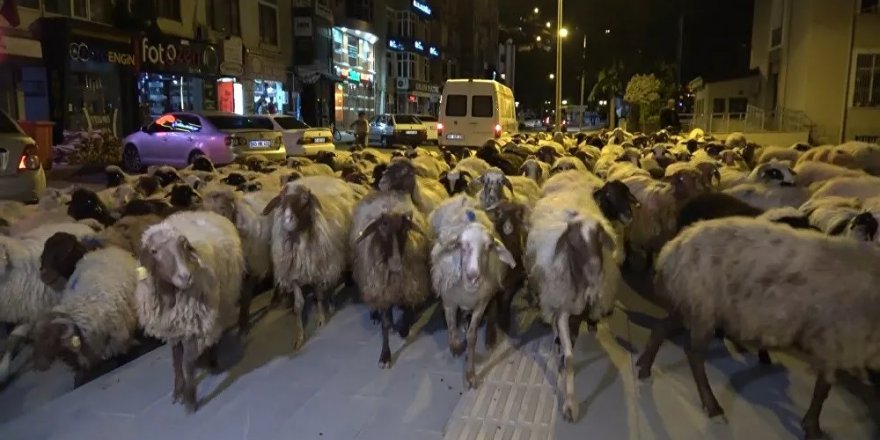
(41, 131)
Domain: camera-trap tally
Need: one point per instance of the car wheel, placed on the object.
(386, 142)
(193, 156)
(131, 159)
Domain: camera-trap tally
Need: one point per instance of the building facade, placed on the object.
(413, 56)
(820, 59)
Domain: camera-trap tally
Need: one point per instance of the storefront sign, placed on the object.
(421, 7)
(93, 52)
(354, 76)
(415, 46)
(418, 86)
(261, 67)
(170, 55)
(302, 26)
(233, 62)
(395, 45)
(434, 52)
(419, 46)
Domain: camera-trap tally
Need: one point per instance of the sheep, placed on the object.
(126, 233)
(773, 172)
(509, 163)
(572, 257)
(184, 196)
(400, 175)
(622, 170)
(390, 239)
(334, 159)
(23, 296)
(766, 197)
(429, 167)
(563, 180)
(535, 169)
(95, 319)
(495, 186)
(85, 203)
(52, 208)
(866, 156)
(309, 168)
(710, 176)
(778, 153)
(188, 284)
(166, 175)
(735, 140)
(812, 172)
(567, 163)
(457, 179)
(762, 283)
(863, 187)
(732, 159)
(830, 154)
(311, 219)
(549, 153)
(511, 225)
(711, 206)
(469, 264)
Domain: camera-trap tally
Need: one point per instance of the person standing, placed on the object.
(669, 117)
(361, 129)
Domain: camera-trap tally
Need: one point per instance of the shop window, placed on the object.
(456, 105)
(405, 65)
(225, 16)
(169, 9)
(268, 23)
(866, 88)
(481, 106)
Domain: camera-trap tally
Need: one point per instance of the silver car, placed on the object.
(179, 137)
(21, 175)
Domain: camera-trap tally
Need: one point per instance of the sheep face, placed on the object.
(171, 258)
(775, 172)
(222, 203)
(584, 255)
(287, 178)
(532, 169)
(562, 165)
(709, 174)
(494, 182)
(57, 337)
(167, 176)
(378, 173)
(256, 163)
(234, 179)
(686, 183)
(455, 181)
(389, 236)
(662, 155)
(86, 204)
(476, 245)
(730, 158)
(616, 201)
(399, 176)
(547, 154)
(58, 260)
(864, 227)
(250, 187)
(297, 209)
(115, 177)
(202, 163)
(184, 196)
(357, 177)
(713, 149)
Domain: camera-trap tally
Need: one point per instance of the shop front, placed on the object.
(354, 62)
(230, 89)
(175, 74)
(417, 97)
(266, 87)
(90, 70)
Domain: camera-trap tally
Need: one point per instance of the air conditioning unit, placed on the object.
(402, 84)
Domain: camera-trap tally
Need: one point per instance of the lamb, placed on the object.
(187, 289)
(535, 169)
(812, 172)
(496, 187)
(23, 296)
(95, 319)
(311, 220)
(572, 257)
(469, 264)
(717, 274)
(401, 176)
(391, 240)
(457, 179)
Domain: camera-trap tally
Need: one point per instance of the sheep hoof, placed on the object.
(570, 411)
(813, 432)
(375, 317)
(716, 416)
(471, 380)
(644, 373)
(764, 357)
(191, 406)
(456, 348)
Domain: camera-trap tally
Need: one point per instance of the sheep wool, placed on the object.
(204, 310)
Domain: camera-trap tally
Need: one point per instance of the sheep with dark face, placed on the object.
(165, 174)
(184, 196)
(548, 154)
(509, 163)
(95, 319)
(511, 225)
(138, 207)
(202, 163)
(85, 204)
(567, 163)
(535, 169)
(390, 239)
(401, 176)
(234, 179)
(458, 179)
(188, 287)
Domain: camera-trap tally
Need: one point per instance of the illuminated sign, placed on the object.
(421, 7)
(354, 76)
(395, 45)
(433, 51)
(418, 45)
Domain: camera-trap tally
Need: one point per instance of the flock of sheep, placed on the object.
(744, 242)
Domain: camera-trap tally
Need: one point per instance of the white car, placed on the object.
(432, 125)
(389, 130)
(21, 174)
(299, 138)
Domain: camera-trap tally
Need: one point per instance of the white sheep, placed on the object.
(390, 239)
(766, 197)
(572, 258)
(23, 295)
(495, 187)
(810, 173)
(469, 265)
(429, 167)
(564, 180)
(867, 156)
(188, 287)
(831, 154)
(763, 283)
(311, 221)
(864, 187)
(769, 153)
(127, 232)
(95, 320)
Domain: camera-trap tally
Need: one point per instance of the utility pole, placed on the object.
(583, 68)
(558, 109)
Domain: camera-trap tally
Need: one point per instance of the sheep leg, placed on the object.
(299, 336)
(659, 334)
(470, 359)
(570, 406)
(406, 321)
(320, 308)
(810, 422)
(190, 356)
(13, 345)
(244, 307)
(696, 356)
(177, 358)
(764, 357)
(492, 317)
(385, 356)
(375, 317)
(455, 346)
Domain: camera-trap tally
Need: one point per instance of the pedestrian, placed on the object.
(669, 117)
(270, 108)
(361, 129)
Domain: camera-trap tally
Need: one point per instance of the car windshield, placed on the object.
(406, 119)
(290, 123)
(427, 119)
(240, 122)
(7, 125)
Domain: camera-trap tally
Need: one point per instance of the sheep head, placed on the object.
(234, 179)
(144, 207)
(221, 202)
(477, 244)
(774, 172)
(709, 173)
(166, 176)
(202, 163)
(563, 164)
(147, 185)
(449, 158)
(686, 183)
(85, 204)
(731, 158)
(327, 158)
(509, 219)
(115, 176)
(357, 177)
(56, 336)
(864, 227)
(400, 175)
(256, 163)
(184, 196)
(532, 169)
(58, 260)
(54, 198)
(616, 201)
(170, 257)
(250, 187)
(588, 160)
(583, 245)
(298, 208)
(547, 154)
(455, 181)
(494, 182)
(389, 235)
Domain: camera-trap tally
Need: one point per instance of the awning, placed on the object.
(311, 75)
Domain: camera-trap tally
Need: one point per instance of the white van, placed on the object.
(475, 110)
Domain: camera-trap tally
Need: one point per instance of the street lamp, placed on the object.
(538, 38)
(552, 76)
(560, 35)
(564, 102)
(548, 24)
(537, 10)
(563, 32)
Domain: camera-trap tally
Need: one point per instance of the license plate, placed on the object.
(455, 137)
(411, 132)
(319, 140)
(260, 144)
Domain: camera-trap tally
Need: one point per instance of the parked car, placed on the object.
(179, 137)
(390, 130)
(21, 175)
(299, 138)
(433, 127)
(343, 136)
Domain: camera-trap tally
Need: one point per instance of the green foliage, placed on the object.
(642, 89)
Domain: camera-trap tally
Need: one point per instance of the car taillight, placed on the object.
(440, 127)
(29, 160)
(497, 130)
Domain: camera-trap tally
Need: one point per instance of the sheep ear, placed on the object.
(508, 184)
(369, 230)
(273, 204)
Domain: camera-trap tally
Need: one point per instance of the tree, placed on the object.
(609, 83)
(643, 91)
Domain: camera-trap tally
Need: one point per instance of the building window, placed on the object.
(169, 9)
(269, 22)
(866, 91)
(95, 10)
(777, 11)
(405, 20)
(33, 4)
(405, 65)
(224, 16)
(718, 105)
(737, 105)
(870, 6)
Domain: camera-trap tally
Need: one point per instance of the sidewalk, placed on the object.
(333, 389)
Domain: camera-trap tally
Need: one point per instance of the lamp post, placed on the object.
(560, 34)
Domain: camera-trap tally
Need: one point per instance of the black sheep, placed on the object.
(508, 163)
(85, 204)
